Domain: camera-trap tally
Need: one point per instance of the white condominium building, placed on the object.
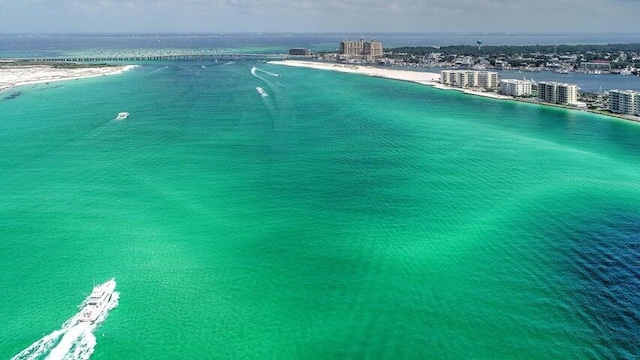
(488, 79)
(465, 79)
(515, 87)
(624, 102)
(468, 78)
(459, 78)
(557, 93)
(447, 77)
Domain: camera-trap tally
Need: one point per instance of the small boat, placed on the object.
(99, 301)
(261, 91)
(122, 116)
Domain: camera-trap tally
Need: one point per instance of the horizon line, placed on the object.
(266, 33)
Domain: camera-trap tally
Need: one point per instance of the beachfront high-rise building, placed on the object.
(515, 87)
(469, 78)
(487, 79)
(360, 47)
(459, 78)
(447, 77)
(557, 93)
(373, 48)
(624, 102)
(464, 79)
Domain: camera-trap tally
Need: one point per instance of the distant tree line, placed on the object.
(509, 50)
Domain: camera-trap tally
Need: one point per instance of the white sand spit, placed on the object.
(16, 75)
(420, 77)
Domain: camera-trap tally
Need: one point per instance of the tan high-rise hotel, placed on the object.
(361, 48)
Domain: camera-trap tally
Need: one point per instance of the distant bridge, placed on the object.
(168, 57)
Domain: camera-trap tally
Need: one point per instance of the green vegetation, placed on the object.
(591, 51)
(620, 56)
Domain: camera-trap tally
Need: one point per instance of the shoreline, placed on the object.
(419, 77)
(432, 79)
(13, 76)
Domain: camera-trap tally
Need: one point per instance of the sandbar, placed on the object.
(12, 75)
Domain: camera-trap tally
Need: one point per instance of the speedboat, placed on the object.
(261, 91)
(99, 301)
(122, 116)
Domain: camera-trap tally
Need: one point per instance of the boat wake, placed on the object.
(74, 340)
(158, 69)
(254, 71)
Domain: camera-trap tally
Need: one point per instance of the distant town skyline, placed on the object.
(163, 16)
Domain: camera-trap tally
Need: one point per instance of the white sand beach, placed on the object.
(426, 78)
(16, 75)
(420, 77)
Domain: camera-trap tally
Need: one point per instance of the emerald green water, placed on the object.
(339, 217)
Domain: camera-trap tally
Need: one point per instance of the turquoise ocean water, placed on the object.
(339, 217)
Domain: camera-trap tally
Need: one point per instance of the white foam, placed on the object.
(74, 340)
(254, 69)
(71, 339)
(158, 69)
(41, 347)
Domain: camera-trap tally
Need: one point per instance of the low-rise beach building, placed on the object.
(624, 102)
(558, 93)
(300, 52)
(515, 87)
(596, 67)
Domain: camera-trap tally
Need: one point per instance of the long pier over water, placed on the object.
(164, 57)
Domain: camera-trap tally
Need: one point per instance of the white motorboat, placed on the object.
(99, 301)
(261, 91)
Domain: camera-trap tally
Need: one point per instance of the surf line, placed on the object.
(75, 339)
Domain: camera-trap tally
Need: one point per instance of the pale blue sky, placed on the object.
(319, 16)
